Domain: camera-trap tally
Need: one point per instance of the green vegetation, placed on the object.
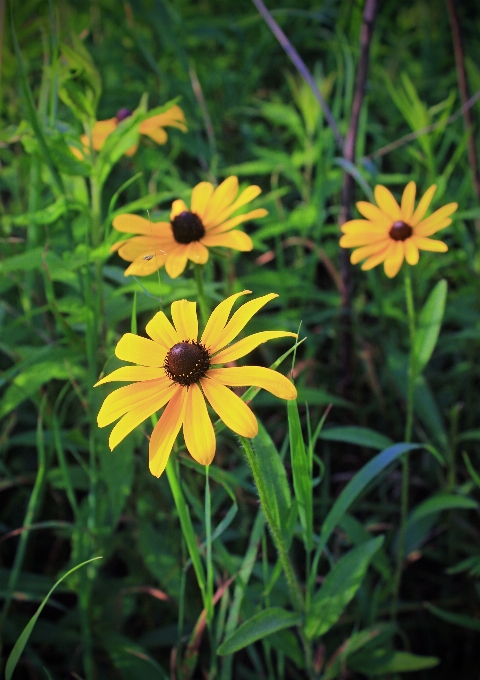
(342, 540)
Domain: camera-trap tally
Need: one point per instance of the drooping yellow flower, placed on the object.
(152, 127)
(190, 232)
(392, 232)
(177, 369)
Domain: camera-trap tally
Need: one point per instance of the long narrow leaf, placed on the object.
(25, 634)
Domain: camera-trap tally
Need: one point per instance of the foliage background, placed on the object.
(249, 114)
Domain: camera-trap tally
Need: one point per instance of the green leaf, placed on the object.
(302, 474)
(350, 646)
(339, 588)
(259, 626)
(428, 328)
(25, 634)
(443, 501)
(186, 523)
(358, 483)
(273, 472)
(457, 619)
(131, 659)
(361, 436)
(382, 661)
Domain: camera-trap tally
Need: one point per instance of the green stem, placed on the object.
(208, 536)
(408, 437)
(201, 293)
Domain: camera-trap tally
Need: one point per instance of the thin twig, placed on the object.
(301, 67)
(423, 131)
(346, 333)
(463, 87)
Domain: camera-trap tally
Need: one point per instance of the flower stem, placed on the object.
(208, 537)
(201, 293)
(407, 438)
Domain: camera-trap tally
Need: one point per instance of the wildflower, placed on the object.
(190, 232)
(152, 127)
(391, 232)
(175, 369)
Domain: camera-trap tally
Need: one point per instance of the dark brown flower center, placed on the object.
(122, 114)
(400, 231)
(187, 227)
(187, 362)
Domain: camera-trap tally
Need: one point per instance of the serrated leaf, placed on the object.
(259, 626)
(339, 588)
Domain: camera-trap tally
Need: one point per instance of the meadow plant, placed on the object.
(305, 515)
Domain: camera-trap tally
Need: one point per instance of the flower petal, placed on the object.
(140, 413)
(146, 264)
(375, 260)
(132, 374)
(430, 225)
(165, 432)
(242, 347)
(140, 350)
(157, 134)
(218, 319)
(239, 320)
(429, 231)
(238, 240)
(364, 238)
(394, 260)
(430, 245)
(124, 399)
(357, 226)
(258, 376)
(366, 251)
(245, 197)
(197, 252)
(172, 117)
(201, 195)
(422, 207)
(222, 197)
(134, 224)
(100, 132)
(411, 251)
(143, 245)
(176, 261)
(184, 316)
(231, 409)
(198, 428)
(230, 224)
(374, 214)
(178, 207)
(408, 202)
(386, 202)
(161, 331)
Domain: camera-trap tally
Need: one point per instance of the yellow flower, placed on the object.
(152, 127)
(177, 369)
(190, 232)
(392, 232)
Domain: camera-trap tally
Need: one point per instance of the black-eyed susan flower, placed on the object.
(176, 369)
(190, 232)
(152, 127)
(392, 232)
